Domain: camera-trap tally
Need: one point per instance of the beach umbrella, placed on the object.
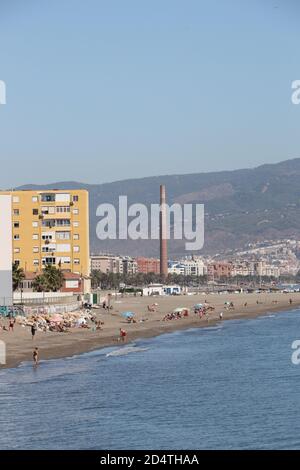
(197, 306)
(128, 314)
(179, 309)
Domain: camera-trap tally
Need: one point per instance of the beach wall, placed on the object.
(5, 251)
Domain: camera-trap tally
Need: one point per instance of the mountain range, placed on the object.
(241, 206)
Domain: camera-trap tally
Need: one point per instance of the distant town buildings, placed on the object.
(265, 259)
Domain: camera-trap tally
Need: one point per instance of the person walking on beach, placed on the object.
(221, 315)
(33, 330)
(11, 324)
(123, 335)
(35, 356)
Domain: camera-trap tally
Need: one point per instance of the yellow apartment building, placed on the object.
(51, 227)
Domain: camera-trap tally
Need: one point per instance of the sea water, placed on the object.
(227, 386)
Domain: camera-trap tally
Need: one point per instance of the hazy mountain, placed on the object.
(240, 206)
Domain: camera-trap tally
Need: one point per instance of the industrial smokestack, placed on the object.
(163, 233)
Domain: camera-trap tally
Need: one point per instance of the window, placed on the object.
(17, 237)
(64, 248)
(62, 222)
(63, 235)
(75, 211)
(35, 249)
(16, 250)
(75, 224)
(48, 210)
(64, 260)
(16, 224)
(35, 224)
(48, 260)
(48, 197)
(56, 223)
(17, 262)
(76, 249)
(35, 236)
(76, 261)
(72, 284)
(62, 197)
(76, 236)
(62, 209)
(35, 211)
(36, 262)
(16, 212)
(34, 199)
(16, 199)
(46, 237)
(48, 249)
(75, 198)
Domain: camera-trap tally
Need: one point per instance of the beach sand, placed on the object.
(19, 345)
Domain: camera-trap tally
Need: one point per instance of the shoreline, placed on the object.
(79, 341)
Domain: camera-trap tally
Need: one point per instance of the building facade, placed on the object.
(219, 270)
(5, 251)
(107, 263)
(148, 265)
(51, 227)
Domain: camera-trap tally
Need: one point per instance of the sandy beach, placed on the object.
(19, 344)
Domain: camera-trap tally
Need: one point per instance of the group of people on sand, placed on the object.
(176, 315)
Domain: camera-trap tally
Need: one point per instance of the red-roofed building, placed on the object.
(72, 282)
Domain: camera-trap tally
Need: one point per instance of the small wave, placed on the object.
(126, 350)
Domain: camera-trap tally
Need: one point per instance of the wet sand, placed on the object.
(19, 345)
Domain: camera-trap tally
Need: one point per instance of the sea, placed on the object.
(229, 386)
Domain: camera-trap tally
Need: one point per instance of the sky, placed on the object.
(105, 90)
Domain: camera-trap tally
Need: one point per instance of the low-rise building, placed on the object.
(148, 265)
(219, 270)
(72, 282)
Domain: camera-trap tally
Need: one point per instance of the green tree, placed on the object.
(18, 276)
(39, 283)
(51, 280)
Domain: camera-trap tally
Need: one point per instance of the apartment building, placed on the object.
(219, 269)
(51, 227)
(5, 251)
(148, 265)
(107, 263)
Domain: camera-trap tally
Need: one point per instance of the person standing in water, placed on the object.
(123, 335)
(35, 356)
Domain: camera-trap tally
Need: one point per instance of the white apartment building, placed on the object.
(107, 263)
(192, 267)
(6, 254)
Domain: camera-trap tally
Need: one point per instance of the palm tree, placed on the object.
(38, 284)
(18, 276)
(50, 280)
(54, 278)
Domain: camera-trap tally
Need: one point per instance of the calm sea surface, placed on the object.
(229, 386)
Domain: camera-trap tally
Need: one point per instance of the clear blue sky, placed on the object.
(105, 90)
